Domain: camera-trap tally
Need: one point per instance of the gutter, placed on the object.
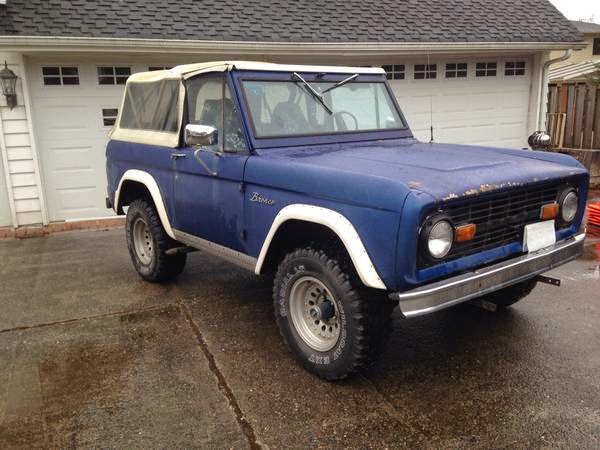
(129, 45)
(541, 123)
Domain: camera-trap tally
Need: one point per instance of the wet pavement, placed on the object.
(91, 356)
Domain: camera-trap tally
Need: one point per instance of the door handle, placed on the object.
(178, 155)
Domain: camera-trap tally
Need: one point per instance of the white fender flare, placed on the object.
(147, 180)
(340, 226)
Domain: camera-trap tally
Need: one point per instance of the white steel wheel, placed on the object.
(313, 310)
(143, 242)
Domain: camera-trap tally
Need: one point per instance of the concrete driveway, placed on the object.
(91, 356)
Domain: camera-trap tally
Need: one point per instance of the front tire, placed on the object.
(148, 243)
(332, 325)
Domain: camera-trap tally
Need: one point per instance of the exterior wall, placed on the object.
(579, 56)
(21, 171)
(5, 213)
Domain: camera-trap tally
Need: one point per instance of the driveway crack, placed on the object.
(84, 318)
(224, 387)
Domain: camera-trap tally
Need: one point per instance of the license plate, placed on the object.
(538, 236)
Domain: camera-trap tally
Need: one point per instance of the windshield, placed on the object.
(289, 108)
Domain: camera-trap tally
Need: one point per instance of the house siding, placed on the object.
(20, 170)
(5, 217)
(580, 55)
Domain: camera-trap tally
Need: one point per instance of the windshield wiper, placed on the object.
(314, 93)
(341, 83)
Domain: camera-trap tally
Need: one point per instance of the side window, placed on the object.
(151, 106)
(209, 103)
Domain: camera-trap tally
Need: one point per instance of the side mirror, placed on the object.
(196, 135)
(540, 140)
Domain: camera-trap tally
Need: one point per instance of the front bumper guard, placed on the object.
(452, 291)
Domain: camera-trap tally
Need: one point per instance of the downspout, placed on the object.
(541, 123)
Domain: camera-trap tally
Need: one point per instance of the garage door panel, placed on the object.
(510, 131)
(451, 103)
(77, 199)
(64, 122)
(70, 156)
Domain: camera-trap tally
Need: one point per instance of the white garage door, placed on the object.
(469, 101)
(73, 114)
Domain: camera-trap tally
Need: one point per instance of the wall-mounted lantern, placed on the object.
(8, 79)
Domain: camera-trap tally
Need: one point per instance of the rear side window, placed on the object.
(151, 106)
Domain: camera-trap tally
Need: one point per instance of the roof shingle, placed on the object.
(284, 21)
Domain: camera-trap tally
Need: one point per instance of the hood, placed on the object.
(377, 173)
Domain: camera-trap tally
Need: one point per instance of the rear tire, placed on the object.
(148, 243)
(331, 323)
(512, 294)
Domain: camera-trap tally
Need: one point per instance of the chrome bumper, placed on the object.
(442, 294)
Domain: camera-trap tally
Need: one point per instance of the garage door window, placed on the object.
(60, 76)
(109, 116)
(425, 71)
(456, 70)
(514, 68)
(151, 106)
(486, 69)
(113, 75)
(153, 68)
(394, 71)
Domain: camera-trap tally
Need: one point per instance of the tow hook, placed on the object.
(548, 280)
(484, 304)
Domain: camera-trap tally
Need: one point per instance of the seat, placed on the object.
(288, 118)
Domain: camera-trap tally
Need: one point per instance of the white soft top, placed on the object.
(148, 123)
(189, 70)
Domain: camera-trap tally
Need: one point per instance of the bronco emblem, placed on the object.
(256, 197)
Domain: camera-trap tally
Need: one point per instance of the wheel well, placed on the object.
(130, 191)
(294, 234)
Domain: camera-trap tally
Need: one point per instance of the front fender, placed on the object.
(340, 225)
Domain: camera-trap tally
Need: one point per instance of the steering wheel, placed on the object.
(341, 123)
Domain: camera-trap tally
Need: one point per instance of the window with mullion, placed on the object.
(456, 70)
(486, 69)
(58, 75)
(109, 116)
(394, 71)
(113, 75)
(425, 71)
(514, 68)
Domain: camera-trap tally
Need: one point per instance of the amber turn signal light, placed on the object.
(549, 211)
(465, 232)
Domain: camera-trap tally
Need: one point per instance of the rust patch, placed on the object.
(483, 188)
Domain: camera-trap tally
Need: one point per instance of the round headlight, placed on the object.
(569, 201)
(439, 239)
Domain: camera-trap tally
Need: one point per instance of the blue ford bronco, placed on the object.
(312, 175)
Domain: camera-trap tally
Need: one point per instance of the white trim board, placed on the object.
(115, 45)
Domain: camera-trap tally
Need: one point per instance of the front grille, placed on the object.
(500, 218)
